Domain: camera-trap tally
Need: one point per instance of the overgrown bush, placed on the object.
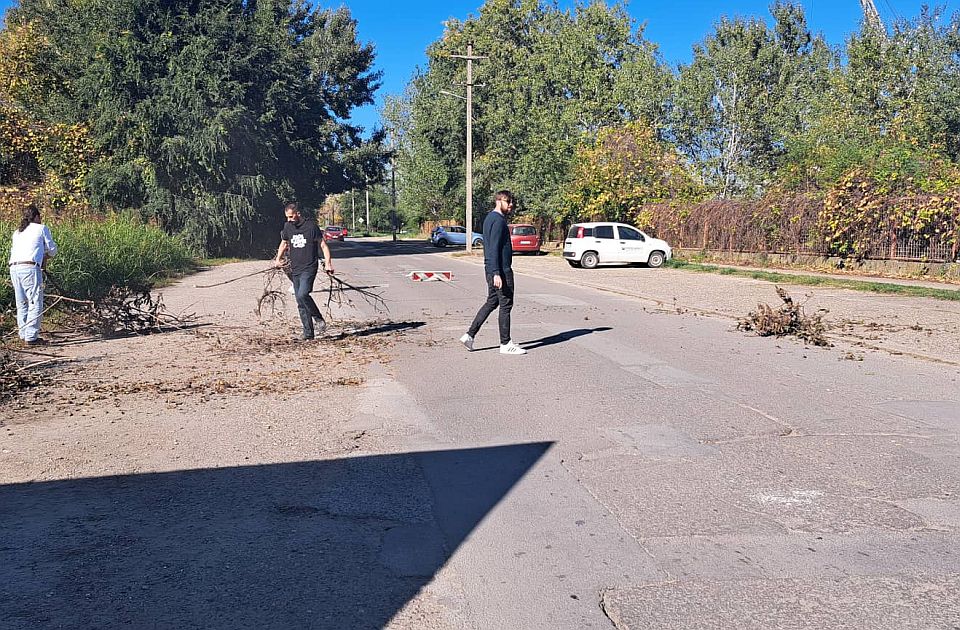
(97, 254)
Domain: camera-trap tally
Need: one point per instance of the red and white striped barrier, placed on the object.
(425, 276)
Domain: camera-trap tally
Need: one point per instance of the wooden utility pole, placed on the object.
(872, 17)
(393, 186)
(470, 57)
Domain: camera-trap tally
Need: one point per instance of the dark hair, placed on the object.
(293, 205)
(504, 194)
(31, 214)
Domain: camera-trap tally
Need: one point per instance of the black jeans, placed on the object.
(503, 298)
(302, 286)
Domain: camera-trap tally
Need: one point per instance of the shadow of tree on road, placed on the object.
(342, 543)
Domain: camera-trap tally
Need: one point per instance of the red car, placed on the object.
(524, 238)
(334, 233)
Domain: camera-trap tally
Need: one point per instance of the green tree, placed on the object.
(553, 78)
(748, 88)
(893, 109)
(207, 113)
(625, 169)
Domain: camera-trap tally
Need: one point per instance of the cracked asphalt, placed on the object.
(698, 477)
(645, 466)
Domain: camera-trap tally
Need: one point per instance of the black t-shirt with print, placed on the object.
(303, 239)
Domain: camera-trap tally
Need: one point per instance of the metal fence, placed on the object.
(788, 227)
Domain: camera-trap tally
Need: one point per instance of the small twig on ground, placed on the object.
(15, 377)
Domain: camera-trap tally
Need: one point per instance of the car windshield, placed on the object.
(524, 230)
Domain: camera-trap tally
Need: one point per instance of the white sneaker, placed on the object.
(467, 341)
(511, 348)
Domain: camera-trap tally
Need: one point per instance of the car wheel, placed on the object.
(656, 259)
(442, 242)
(573, 263)
(589, 260)
(478, 242)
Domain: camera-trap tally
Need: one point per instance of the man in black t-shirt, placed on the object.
(299, 241)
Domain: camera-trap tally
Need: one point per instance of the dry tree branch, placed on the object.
(125, 311)
(789, 319)
(336, 295)
(272, 295)
(267, 271)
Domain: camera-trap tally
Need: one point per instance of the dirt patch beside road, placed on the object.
(231, 376)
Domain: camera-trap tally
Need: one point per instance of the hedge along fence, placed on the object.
(849, 222)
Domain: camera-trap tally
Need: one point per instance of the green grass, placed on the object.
(96, 254)
(821, 281)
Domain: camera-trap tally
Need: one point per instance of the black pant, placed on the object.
(502, 297)
(302, 286)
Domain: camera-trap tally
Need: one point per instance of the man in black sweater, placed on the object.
(497, 262)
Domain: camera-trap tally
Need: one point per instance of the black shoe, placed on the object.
(39, 341)
(304, 338)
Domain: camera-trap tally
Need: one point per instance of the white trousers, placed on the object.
(27, 283)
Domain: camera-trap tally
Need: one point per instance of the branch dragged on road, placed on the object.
(273, 294)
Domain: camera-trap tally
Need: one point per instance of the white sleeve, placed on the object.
(48, 242)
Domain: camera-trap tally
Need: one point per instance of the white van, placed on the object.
(591, 244)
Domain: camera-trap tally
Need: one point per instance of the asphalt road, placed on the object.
(691, 476)
(645, 466)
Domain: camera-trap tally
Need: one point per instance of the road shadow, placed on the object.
(566, 335)
(79, 338)
(342, 543)
(377, 329)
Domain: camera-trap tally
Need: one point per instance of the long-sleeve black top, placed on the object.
(497, 250)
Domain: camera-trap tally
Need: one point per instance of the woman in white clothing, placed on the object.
(32, 246)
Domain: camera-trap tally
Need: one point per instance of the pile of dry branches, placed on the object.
(124, 311)
(789, 319)
(15, 377)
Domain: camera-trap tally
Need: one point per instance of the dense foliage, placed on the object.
(581, 116)
(552, 78)
(201, 114)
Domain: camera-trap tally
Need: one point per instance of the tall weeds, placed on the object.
(96, 254)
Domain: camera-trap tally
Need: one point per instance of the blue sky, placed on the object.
(402, 31)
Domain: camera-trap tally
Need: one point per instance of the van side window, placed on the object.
(629, 234)
(603, 231)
